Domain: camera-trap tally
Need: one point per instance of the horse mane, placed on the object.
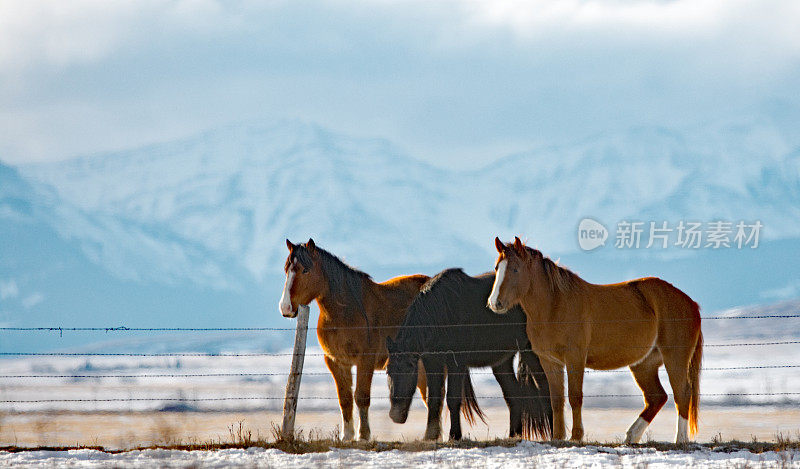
(559, 278)
(435, 305)
(346, 283)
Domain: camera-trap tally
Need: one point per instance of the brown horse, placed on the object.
(641, 324)
(355, 317)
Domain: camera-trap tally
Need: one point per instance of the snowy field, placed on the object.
(121, 402)
(143, 429)
(525, 454)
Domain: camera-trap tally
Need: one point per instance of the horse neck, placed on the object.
(333, 310)
(539, 299)
(414, 338)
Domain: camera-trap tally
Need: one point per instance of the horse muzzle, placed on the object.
(286, 310)
(497, 308)
(398, 414)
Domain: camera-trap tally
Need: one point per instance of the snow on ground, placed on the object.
(525, 454)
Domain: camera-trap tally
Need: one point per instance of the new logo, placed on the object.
(591, 234)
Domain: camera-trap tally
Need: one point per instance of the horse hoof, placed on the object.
(433, 433)
(630, 439)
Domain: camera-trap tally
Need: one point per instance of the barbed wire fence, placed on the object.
(123, 329)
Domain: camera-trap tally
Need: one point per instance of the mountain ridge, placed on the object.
(191, 232)
(237, 191)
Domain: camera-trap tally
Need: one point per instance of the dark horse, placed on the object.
(450, 329)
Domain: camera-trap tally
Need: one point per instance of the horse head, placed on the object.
(401, 371)
(513, 275)
(304, 278)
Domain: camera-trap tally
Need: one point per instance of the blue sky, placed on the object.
(451, 82)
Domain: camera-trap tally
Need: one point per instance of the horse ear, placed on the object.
(310, 245)
(499, 245)
(289, 245)
(390, 345)
(518, 245)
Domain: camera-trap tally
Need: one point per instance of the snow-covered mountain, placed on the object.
(728, 172)
(237, 192)
(191, 231)
(60, 266)
(225, 199)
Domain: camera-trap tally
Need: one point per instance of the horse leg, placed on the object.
(455, 390)
(676, 361)
(555, 381)
(364, 373)
(575, 369)
(343, 377)
(422, 382)
(435, 378)
(504, 374)
(646, 375)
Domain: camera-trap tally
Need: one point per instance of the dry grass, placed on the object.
(186, 431)
(315, 442)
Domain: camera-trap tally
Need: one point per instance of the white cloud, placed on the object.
(451, 78)
(679, 17)
(790, 290)
(32, 300)
(59, 32)
(8, 289)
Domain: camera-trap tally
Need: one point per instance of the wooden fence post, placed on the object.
(293, 384)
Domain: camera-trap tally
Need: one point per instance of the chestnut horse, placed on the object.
(641, 324)
(355, 317)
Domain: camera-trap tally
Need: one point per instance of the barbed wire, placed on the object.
(316, 354)
(321, 373)
(61, 329)
(134, 354)
(330, 398)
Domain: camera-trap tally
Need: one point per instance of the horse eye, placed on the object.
(305, 271)
(514, 270)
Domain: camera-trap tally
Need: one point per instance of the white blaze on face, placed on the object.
(498, 280)
(285, 306)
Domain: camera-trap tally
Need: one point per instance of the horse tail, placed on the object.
(694, 383)
(537, 414)
(469, 402)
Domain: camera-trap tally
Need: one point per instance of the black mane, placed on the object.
(345, 283)
(441, 301)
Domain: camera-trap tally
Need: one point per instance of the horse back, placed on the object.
(397, 294)
(677, 314)
(407, 283)
(452, 306)
(666, 300)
